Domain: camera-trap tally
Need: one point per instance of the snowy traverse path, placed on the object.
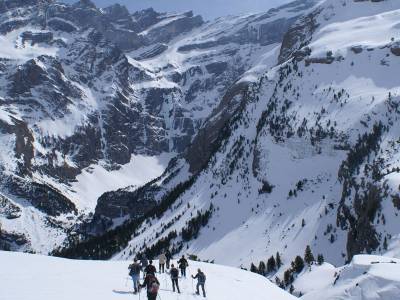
(34, 277)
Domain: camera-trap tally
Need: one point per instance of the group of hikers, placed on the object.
(151, 283)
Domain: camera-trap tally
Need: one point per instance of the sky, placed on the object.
(209, 9)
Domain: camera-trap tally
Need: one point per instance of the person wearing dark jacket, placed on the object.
(201, 281)
(174, 273)
(152, 285)
(150, 269)
(134, 272)
(168, 256)
(183, 264)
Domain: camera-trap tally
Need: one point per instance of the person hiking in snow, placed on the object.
(161, 262)
(152, 285)
(134, 272)
(168, 256)
(174, 273)
(150, 269)
(143, 261)
(201, 281)
(183, 264)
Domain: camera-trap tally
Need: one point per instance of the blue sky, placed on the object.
(209, 9)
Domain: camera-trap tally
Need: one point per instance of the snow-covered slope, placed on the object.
(367, 277)
(25, 276)
(305, 155)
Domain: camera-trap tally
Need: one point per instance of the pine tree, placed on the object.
(291, 290)
(271, 264)
(261, 268)
(320, 259)
(253, 268)
(288, 277)
(298, 264)
(277, 281)
(278, 260)
(308, 255)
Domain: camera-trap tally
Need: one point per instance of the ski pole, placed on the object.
(192, 286)
(126, 281)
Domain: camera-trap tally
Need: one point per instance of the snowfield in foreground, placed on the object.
(25, 276)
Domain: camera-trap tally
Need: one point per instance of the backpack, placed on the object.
(153, 286)
(134, 269)
(174, 273)
(202, 277)
(183, 264)
(130, 270)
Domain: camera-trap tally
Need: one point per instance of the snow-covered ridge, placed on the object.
(45, 278)
(367, 277)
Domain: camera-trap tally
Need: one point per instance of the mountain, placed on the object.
(83, 282)
(303, 153)
(232, 140)
(282, 129)
(93, 100)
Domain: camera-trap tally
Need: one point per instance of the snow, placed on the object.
(34, 224)
(96, 180)
(394, 247)
(12, 48)
(357, 31)
(25, 276)
(162, 23)
(318, 279)
(7, 158)
(77, 114)
(264, 63)
(367, 277)
(84, 192)
(5, 116)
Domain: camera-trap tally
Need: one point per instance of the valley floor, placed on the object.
(34, 277)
